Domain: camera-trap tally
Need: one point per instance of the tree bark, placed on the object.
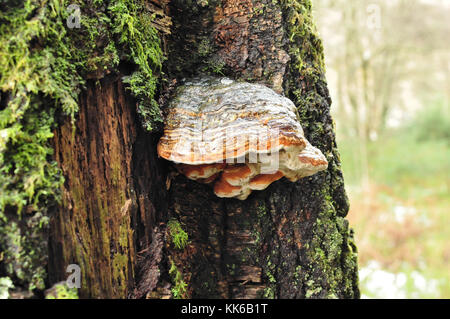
(111, 192)
(289, 241)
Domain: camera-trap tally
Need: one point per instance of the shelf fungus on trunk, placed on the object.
(236, 136)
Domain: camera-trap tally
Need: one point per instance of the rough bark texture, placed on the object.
(289, 241)
(111, 192)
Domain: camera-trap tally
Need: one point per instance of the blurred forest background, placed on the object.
(388, 68)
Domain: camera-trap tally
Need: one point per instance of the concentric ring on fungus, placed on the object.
(236, 136)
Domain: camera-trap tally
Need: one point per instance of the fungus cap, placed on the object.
(211, 120)
(239, 136)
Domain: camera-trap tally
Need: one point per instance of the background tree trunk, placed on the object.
(289, 241)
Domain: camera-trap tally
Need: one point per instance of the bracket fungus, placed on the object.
(236, 136)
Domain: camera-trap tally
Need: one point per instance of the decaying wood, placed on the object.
(161, 21)
(112, 180)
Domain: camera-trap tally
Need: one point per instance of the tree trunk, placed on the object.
(290, 241)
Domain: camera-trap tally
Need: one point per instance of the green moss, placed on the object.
(5, 284)
(119, 265)
(214, 66)
(306, 51)
(205, 48)
(260, 222)
(269, 293)
(331, 256)
(27, 178)
(231, 269)
(178, 236)
(305, 44)
(202, 3)
(123, 229)
(271, 281)
(43, 64)
(179, 286)
(61, 291)
(312, 289)
(133, 27)
(270, 277)
(211, 63)
(261, 211)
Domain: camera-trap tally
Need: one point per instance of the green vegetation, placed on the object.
(415, 154)
(35, 73)
(401, 217)
(43, 64)
(269, 291)
(178, 236)
(61, 291)
(179, 286)
(5, 285)
(306, 45)
(308, 58)
(132, 25)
